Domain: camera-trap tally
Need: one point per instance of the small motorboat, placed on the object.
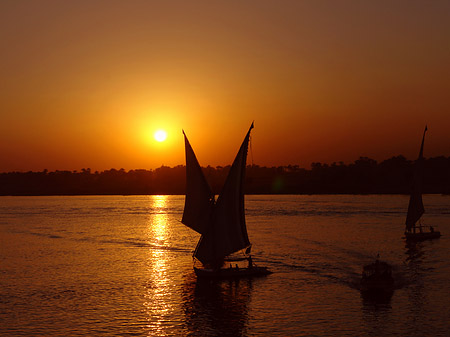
(377, 277)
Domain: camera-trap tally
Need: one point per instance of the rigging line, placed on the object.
(251, 149)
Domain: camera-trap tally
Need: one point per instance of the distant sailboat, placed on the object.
(221, 223)
(414, 231)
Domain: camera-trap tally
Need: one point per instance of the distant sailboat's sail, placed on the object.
(228, 233)
(415, 207)
(199, 197)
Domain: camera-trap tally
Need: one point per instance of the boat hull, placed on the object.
(377, 278)
(231, 273)
(377, 285)
(422, 236)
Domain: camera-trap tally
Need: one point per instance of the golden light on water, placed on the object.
(159, 220)
(158, 295)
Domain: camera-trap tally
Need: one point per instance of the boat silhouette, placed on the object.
(220, 222)
(414, 230)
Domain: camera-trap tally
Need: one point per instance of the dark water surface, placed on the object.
(122, 266)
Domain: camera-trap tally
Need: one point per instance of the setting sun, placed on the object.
(160, 135)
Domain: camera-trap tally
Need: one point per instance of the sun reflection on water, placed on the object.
(158, 230)
(160, 297)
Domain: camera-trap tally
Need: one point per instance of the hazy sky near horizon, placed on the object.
(87, 83)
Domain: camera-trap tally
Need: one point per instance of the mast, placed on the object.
(415, 206)
(228, 231)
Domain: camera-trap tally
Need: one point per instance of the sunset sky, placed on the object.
(85, 84)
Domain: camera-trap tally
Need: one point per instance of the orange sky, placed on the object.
(86, 83)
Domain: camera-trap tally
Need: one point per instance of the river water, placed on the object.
(122, 266)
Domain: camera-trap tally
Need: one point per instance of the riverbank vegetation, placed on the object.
(363, 176)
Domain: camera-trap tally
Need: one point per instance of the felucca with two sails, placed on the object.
(220, 222)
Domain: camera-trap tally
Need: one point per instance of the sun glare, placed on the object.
(160, 135)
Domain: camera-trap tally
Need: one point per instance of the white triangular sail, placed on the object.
(199, 197)
(415, 207)
(228, 231)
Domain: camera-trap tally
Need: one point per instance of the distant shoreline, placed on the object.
(364, 176)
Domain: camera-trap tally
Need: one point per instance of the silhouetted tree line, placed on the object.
(364, 176)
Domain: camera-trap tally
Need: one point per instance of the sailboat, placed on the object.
(220, 222)
(416, 231)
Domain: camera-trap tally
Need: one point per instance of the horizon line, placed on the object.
(217, 166)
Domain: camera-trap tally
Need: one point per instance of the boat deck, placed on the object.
(418, 236)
